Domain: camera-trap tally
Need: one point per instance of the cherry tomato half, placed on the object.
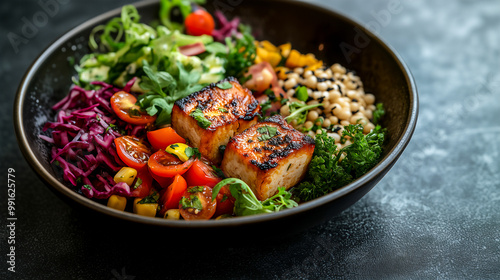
(123, 103)
(163, 164)
(196, 203)
(225, 202)
(201, 174)
(162, 138)
(171, 196)
(133, 151)
(199, 22)
(144, 182)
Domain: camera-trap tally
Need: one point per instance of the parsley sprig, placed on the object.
(326, 172)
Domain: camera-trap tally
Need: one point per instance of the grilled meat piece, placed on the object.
(268, 155)
(230, 111)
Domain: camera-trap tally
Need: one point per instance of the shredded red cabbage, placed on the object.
(226, 28)
(83, 139)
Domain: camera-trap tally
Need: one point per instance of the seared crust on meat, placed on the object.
(230, 111)
(266, 164)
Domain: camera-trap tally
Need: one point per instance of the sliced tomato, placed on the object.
(171, 196)
(144, 182)
(123, 103)
(199, 22)
(162, 138)
(201, 174)
(163, 164)
(133, 151)
(225, 202)
(196, 203)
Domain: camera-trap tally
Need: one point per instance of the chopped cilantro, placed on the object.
(192, 152)
(88, 187)
(150, 199)
(137, 183)
(195, 189)
(200, 118)
(110, 126)
(267, 132)
(218, 172)
(223, 110)
(192, 202)
(378, 113)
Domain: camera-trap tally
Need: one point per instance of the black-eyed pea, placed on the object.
(334, 120)
(312, 115)
(368, 128)
(344, 115)
(354, 106)
(299, 70)
(308, 74)
(369, 98)
(290, 83)
(368, 114)
(344, 123)
(327, 123)
(322, 86)
(285, 110)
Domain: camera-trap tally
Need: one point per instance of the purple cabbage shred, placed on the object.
(83, 139)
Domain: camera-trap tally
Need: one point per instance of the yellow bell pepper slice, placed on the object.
(179, 150)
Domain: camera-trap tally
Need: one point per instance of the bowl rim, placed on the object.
(389, 159)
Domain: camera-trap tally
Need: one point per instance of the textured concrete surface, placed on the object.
(436, 215)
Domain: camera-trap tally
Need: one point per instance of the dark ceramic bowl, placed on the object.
(333, 37)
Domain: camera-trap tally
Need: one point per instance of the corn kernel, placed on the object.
(146, 209)
(117, 202)
(172, 214)
(126, 175)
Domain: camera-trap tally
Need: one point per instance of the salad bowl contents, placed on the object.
(201, 117)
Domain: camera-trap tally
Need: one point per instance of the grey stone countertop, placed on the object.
(435, 215)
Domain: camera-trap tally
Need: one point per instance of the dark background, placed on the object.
(435, 215)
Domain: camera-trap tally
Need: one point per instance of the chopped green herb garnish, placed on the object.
(224, 85)
(223, 110)
(378, 113)
(150, 199)
(192, 202)
(218, 172)
(195, 189)
(88, 187)
(110, 126)
(200, 118)
(138, 183)
(134, 113)
(192, 152)
(267, 132)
